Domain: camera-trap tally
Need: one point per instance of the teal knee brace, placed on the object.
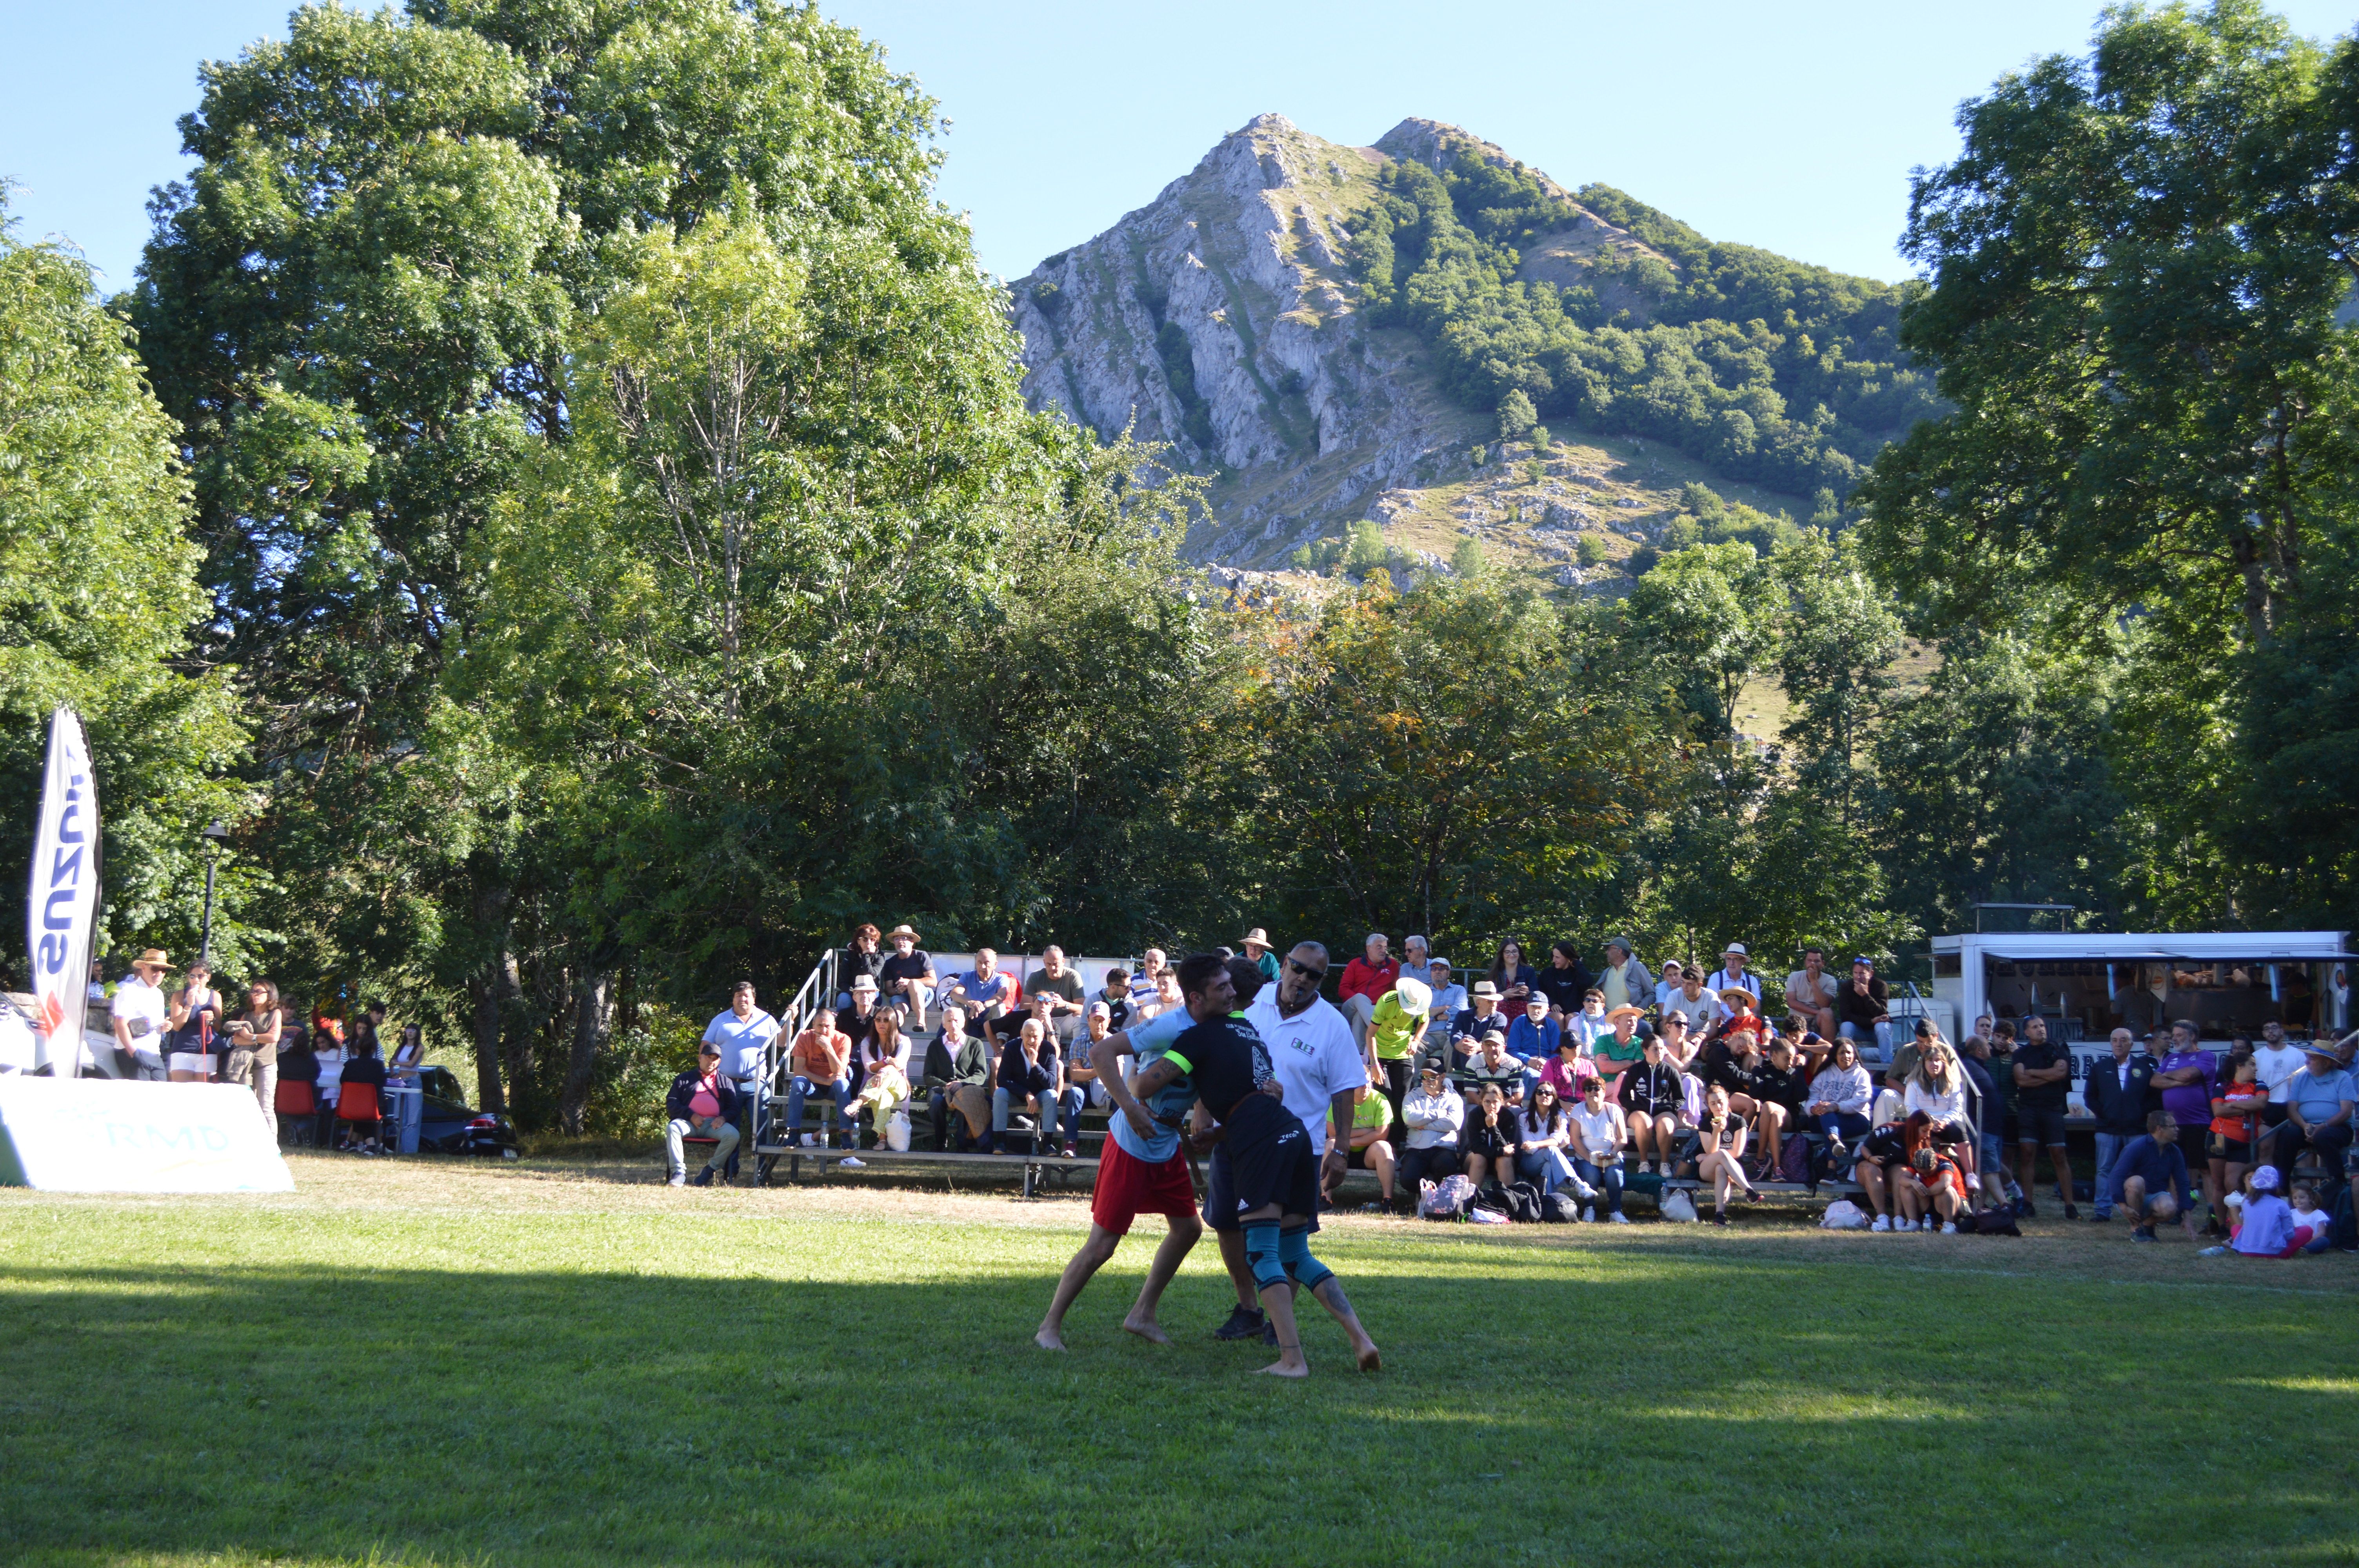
(1294, 1251)
(1262, 1252)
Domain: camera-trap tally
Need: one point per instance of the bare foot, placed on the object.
(1369, 1360)
(1146, 1329)
(1281, 1369)
(1049, 1338)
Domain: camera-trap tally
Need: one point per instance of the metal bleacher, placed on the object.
(1038, 1168)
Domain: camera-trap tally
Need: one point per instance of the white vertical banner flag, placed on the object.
(63, 901)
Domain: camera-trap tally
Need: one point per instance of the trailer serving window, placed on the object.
(2087, 999)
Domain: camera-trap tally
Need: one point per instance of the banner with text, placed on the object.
(96, 1135)
(61, 898)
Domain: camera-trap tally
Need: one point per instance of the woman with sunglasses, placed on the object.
(1598, 1134)
(1541, 1156)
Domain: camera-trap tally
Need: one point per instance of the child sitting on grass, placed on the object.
(2269, 1226)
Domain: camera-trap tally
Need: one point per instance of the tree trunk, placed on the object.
(493, 991)
(594, 1018)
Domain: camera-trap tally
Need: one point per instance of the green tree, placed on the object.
(97, 593)
(2138, 263)
(1437, 759)
(1467, 558)
(1517, 416)
(1837, 641)
(363, 307)
(1994, 784)
(1367, 551)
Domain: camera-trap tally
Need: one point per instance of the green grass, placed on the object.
(545, 1364)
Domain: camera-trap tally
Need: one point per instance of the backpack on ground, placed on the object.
(1677, 1205)
(1999, 1221)
(1523, 1202)
(1445, 1199)
(1794, 1160)
(1557, 1209)
(1843, 1215)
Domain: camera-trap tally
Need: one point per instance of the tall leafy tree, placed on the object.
(1440, 760)
(98, 591)
(2138, 263)
(361, 306)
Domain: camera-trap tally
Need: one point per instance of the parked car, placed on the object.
(451, 1126)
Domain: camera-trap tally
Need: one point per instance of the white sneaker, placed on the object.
(1589, 1215)
(1949, 1228)
(1665, 1166)
(1883, 1222)
(1618, 1218)
(852, 1162)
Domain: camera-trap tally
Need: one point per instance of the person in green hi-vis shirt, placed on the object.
(1393, 1032)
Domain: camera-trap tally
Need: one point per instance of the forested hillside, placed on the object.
(1769, 370)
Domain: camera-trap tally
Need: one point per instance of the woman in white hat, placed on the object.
(1394, 1030)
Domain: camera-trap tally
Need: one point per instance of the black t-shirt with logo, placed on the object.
(1224, 1059)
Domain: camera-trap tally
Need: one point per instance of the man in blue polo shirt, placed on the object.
(2149, 1179)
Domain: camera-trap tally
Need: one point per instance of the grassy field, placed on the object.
(566, 1362)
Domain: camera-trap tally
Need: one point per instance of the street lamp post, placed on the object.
(217, 834)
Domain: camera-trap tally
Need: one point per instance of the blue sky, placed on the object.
(1792, 126)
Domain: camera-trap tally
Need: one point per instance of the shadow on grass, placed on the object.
(340, 1412)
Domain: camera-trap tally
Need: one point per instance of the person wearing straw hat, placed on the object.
(905, 979)
(2317, 1105)
(1481, 1016)
(1732, 974)
(140, 1017)
(1256, 946)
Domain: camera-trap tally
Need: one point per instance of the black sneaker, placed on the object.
(703, 1178)
(2143, 1233)
(1268, 1333)
(1244, 1324)
(2071, 1211)
(2024, 1209)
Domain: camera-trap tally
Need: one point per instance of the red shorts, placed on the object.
(1127, 1187)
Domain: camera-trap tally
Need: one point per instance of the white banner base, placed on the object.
(94, 1135)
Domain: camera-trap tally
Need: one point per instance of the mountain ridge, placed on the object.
(1231, 316)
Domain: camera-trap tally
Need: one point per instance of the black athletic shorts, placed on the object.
(2042, 1124)
(1266, 1159)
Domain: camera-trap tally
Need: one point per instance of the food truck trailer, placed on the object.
(2086, 984)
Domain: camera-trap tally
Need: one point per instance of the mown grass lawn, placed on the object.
(430, 1362)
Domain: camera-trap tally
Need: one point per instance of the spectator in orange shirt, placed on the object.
(820, 1060)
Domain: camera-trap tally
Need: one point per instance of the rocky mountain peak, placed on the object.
(1222, 318)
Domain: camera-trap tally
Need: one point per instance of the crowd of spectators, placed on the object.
(1600, 1081)
(319, 1081)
